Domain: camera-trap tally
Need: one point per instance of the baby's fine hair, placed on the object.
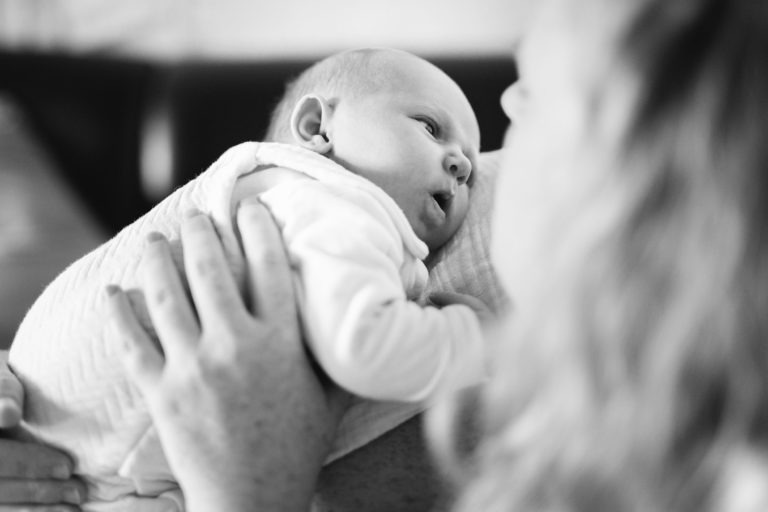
(639, 375)
(348, 72)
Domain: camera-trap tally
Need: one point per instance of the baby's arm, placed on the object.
(362, 328)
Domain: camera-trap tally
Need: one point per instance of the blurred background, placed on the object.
(106, 107)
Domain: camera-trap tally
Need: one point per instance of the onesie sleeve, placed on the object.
(365, 333)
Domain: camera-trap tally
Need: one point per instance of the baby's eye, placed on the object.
(429, 125)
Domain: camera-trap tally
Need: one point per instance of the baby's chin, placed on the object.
(437, 237)
(436, 233)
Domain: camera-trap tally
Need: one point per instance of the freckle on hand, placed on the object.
(205, 267)
(162, 296)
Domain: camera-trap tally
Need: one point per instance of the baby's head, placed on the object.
(394, 119)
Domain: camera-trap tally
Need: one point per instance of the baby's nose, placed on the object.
(459, 166)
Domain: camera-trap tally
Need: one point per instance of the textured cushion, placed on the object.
(463, 265)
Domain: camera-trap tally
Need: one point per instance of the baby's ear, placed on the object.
(308, 121)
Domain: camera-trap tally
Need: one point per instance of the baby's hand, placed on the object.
(442, 299)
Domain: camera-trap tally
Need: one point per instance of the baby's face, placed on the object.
(418, 139)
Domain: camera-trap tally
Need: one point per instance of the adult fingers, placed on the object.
(41, 492)
(140, 356)
(167, 302)
(270, 284)
(39, 508)
(210, 278)
(26, 460)
(11, 394)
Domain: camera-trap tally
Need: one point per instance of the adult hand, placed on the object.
(32, 476)
(242, 416)
(11, 394)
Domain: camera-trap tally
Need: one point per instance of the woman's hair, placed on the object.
(638, 372)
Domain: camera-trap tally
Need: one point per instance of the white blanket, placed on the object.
(77, 395)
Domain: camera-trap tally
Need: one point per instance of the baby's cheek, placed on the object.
(461, 205)
(439, 236)
(458, 212)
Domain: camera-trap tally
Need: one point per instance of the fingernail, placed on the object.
(62, 472)
(72, 496)
(154, 236)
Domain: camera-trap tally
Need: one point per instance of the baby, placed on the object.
(368, 172)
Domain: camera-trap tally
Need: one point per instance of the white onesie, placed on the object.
(358, 266)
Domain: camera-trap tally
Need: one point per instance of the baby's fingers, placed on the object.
(140, 356)
(444, 299)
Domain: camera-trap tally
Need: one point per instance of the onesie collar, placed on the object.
(322, 168)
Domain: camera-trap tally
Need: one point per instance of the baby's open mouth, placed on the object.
(443, 200)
